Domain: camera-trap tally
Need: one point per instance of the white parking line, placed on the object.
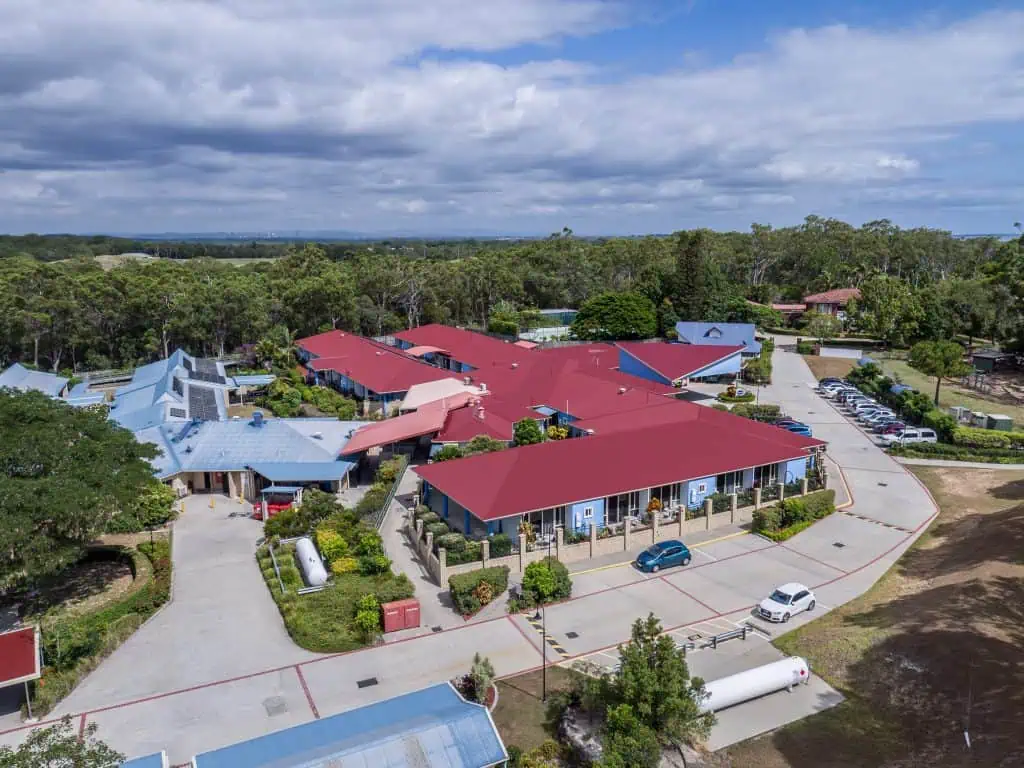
(712, 558)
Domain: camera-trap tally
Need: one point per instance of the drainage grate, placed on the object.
(838, 544)
(884, 485)
(367, 682)
(694, 637)
(436, 629)
(275, 705)
(572, 635)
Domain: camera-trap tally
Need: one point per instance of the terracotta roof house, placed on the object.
(831, 302)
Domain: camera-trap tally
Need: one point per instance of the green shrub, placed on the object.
(788, 533)
(958, 453)
(370, 565)
(820, 503)
(546, 581)
(501, 545)
(943, 424)
(440, 528)
(373, 500)
(792, 511)
(422, 511)
(463, 586)
(453, 542)
(331, 544)
(471, 553)
(805, 348)
(981, 438)
(430, 517)
(766, 519)
(720, 407)
(447, 453)
(757, 412)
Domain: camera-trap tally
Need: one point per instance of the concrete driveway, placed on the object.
(221, 621)
(217, 667)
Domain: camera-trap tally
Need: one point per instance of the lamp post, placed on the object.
(542, 614)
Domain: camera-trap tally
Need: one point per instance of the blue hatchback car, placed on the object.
(664, 554)
(799, 429)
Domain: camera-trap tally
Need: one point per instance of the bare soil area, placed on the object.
(828, 366)
(935, 649)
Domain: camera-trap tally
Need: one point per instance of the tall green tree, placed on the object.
(64, 474)
(526, 432)
(941, 359)
(61, 746)
(888, 309)
(822, 325)
(612, 316)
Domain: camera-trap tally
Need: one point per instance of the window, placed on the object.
(765, 475)
(702, 487)
(729, 482)
(588, 513)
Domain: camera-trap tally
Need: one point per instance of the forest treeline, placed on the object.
(61, 311)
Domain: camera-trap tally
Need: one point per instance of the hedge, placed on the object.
(438, 529)
(746, 397)
(466, 588)
(470, 553)
(794, 512)
(958, 453)
(501, 545)
(758, 412)
(981, 438)
(805, 348)
(429, 517)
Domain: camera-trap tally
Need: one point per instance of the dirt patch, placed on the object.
(828, 366)
(932, 650)
(519, 715)
(104, 576)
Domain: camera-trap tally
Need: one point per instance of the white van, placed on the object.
(912, 435)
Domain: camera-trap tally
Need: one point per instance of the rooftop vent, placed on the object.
(480, 413)
(379, 353)
(318, 435)
(515, 365)
(257, 418)
(622, 390)
(483, 387)
(467, 380)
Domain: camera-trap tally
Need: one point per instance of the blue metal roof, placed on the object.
(432, 728)
(719, 334)
(256, 380)
(157, 760)
(25, 379)
(282, 489)
(308, 472)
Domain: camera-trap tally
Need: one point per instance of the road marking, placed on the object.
(630, 562)
(712, 558)
(305, 690)
(539, 626)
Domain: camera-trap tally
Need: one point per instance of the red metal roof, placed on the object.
(525, 344)
(677, 361)
(425, 349)
(19, 656)
(492, 417)
(377, 367)
(835, 296)
(478, 350)
(425, 421)
(560, 472)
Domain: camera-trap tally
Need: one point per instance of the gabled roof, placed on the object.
(432, 391)
(425, 421)
(677, 361)
(25, 379)
(465, 346)
(431, 728)
(839, 296)
(377, 367)
(491, 416)
(721, 334)
(698, 442)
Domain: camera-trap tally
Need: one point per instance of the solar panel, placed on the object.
(206, 370)
(202, 403)
(178, 413)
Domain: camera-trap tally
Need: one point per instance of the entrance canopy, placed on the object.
(19, 656)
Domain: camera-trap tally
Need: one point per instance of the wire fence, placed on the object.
(377, 518)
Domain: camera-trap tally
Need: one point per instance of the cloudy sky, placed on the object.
(508, 116)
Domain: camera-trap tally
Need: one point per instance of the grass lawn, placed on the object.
(952, 393)
(519, 715)
(828, 366)
(933, 647)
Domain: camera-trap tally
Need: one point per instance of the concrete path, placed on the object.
(956, 464)
(246, 693)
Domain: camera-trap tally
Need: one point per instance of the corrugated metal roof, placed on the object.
(433, 391)
(692, 442)
(302, 472)
(376, 366)
(157, 760)
(677, 361)
(24, 379)
(254, 380)
(432, 728)
(720, 334)
(427, 420)
(465, 346)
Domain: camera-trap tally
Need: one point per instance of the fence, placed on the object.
(376, 520)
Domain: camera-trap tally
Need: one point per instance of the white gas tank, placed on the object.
(309, 560)
(744, 686)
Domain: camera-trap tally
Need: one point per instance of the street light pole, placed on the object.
(544, 638)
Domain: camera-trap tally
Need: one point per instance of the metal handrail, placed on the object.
(379, 516)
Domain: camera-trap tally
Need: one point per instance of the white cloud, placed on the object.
(254, 113)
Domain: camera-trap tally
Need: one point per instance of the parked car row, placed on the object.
(872, 415)
(794, 426)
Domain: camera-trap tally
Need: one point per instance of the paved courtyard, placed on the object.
(216, 666)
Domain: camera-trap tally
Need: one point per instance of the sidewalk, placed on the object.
(435, 605)
(956, 464)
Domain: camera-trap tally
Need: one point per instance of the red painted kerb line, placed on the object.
(305, 690)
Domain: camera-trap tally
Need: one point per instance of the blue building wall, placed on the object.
(632, 366)
(575, 521)
(444, 507)
(793, 471)
(694, 496)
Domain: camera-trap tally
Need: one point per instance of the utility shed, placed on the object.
(999, 421)
(431, 728)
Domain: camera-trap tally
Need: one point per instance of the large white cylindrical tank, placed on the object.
(744, 686)
(309, 559)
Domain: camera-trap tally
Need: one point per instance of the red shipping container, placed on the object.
(401, 614)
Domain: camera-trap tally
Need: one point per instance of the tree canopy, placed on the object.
(61, 746)
(941, 359)
(610, 316)
(65, 474)
(527, 432)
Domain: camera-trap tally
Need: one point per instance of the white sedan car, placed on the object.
(784, 602)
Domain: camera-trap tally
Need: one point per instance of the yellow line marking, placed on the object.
(630, 562)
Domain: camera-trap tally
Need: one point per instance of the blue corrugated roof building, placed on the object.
(431, 728)
(720, 334)
(157, 760)
(25, 379)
